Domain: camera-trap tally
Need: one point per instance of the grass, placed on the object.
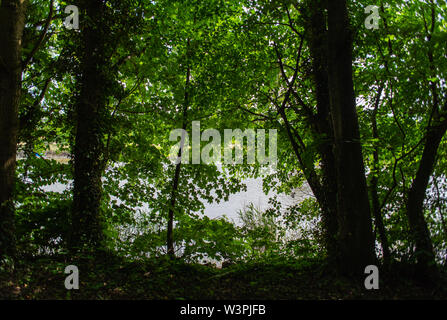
(110, 277)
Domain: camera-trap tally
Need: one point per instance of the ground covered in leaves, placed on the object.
(113, 278)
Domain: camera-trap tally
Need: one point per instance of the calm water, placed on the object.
(254, 195)
(237, 201)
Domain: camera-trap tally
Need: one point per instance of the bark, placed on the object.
(323, 186)
(355, 227)
(415, 202)
(322, 126)
(378, 217)
(439, 203)
(425, 257)
(170, 231)
(12, 22)
(375, 202)
(90, 110)
(175, 182)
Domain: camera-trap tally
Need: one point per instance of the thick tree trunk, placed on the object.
(12, 22)
(415, 202)
(355, 227)
(322, 126)
(90, 110)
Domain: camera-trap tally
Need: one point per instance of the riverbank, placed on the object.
(113, 278)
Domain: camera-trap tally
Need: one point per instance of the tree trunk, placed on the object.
(378, 218)
(436, 129)
(175, 182)
(355, 228)
(375, 202)
(12, 22)
(90, 110)
(322, 125)
(415, 202)
(170, 231)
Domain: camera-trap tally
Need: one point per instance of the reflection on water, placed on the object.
(237, 201)
(255, 195)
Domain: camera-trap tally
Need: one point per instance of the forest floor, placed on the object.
(112, 278)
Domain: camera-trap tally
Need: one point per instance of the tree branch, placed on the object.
(41, 38)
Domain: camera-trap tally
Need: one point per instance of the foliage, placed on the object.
(233, 59)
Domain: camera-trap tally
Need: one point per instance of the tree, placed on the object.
(175, 180)
(355, 228)
(408, 118)
(306, 119)
(12, 22)
(90, 109)
(322, 123)
(100, 54)
(435, 131)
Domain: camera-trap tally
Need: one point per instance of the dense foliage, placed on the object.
(97, 105)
